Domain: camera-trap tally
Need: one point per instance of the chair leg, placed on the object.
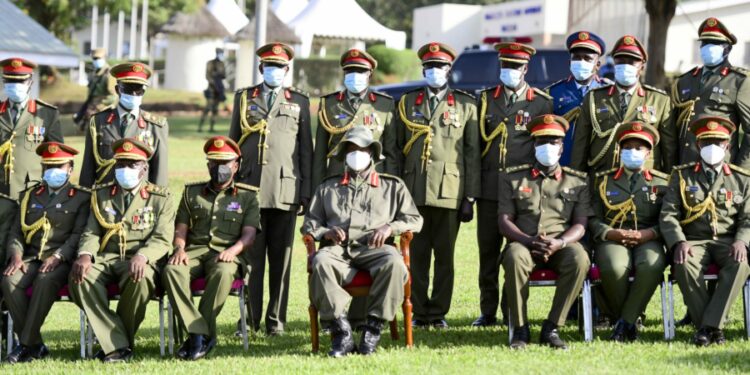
(170, 327)
(745, 302)
(670, 296)
(510, 328)
(9, 340)
(588, 324)
(314, 331)
(394, 328)
(408, 329)
(664, 309)
(90, 338)
(82, 318)
(162, 350)
(243, 318)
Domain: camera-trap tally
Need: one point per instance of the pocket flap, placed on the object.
(452, 169)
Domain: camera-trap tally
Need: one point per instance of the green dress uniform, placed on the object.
(215, 221)
(441, 167)
(214, 94)
(277, 149)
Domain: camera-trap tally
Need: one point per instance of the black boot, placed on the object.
(484, 321)
(342, 341)
(624, 331)
(521, 337)
(184, 351)
(200, 346)
(717, 337)
(549, 336)
(370, 335)
(702, 337)
(20, 353)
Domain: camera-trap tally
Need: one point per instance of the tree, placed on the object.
(660, 13)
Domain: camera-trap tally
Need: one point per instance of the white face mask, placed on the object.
(510, 77)
(273, 76)
(633, 158)
(127, 178)
(358, 160)
(356, 82)
(581, 70)
(713, 154)
(712, 54)
(626, 74)
(547, 154)
(436, 77)
(16, 92)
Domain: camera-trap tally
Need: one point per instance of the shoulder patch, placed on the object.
(659, 174)
(196, 183)
(652, 88)
(414, 91)
(390, 176)
(542, 93)
(690, 71)
(379, 93)
(739, 169)
(739, 70)
(156, 189)
(248, 88)
(471, 96)
(246, 186)
(106, 109)
(81, 188)
(683, 166)
(333, 177)
(518, 168)
(42, 102)
(575, 172)
(606, 81)
(154, 119)
(298, 91)
(604, 173)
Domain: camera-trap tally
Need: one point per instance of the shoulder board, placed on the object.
(248, 88)
(659, 174)
(471, 96)
(156, 189)
(4, 196)
(690, 71)
(246, 186)
(683, 166)
(739, 70)
(298, 91)
(606, 81)
(390, 176)
(154, 119)
(334, 94)
(80, 188)
(739, 169)
(414, 91)
(196, 183)
(607, 86)
(604, 173)
(42, 102)
(652, 88)
(575, 172)
(102, 186)
(106, 109)
(542, 93)
(381, 94)
(518, 168)
(333, 177)
(555, 84)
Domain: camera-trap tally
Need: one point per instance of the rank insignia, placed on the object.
(234, 207)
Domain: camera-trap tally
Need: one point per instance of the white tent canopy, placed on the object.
(286, 10)
(342, 19)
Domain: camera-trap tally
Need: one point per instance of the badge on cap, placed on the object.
(276, 49)
(434, 48)
(583, 36)
(53, 149)
(354, 53)
(515, 47)
(219, 143)
(548, 119)
(629, 41)
(16, 63)
(127, 146)
(137, 68)
(712, 125)
(637, 127)
(711, 22)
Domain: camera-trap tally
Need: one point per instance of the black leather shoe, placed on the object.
(20, 353)
(550, 337)
(439, 324)
(99, 355)
(624, 332)
(702, 337)
(342, 340)
(119, 355)
(370, 336)
(419, 323)
(717, 337)
(200, 346)
(38, 351)
(184, 351)
(521, 337)
(685, 321)
(484, 321)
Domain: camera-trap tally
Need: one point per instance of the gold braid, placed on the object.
(694, 212)
(103, 165)
(112, 228)
(500, 131)
(30, 230)
(247, 129)
(331, 129)
(573, 114)
(417, 131)
(686, 108)
(623, 209)
(609, 134)
(6, 151)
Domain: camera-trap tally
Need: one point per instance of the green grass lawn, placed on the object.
(459, 349)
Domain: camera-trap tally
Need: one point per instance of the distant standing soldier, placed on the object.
(215, 74)
(101, 89)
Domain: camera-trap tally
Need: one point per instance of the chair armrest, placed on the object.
(404, 245)
(309, 241)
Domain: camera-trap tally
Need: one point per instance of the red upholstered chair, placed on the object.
(360, 287)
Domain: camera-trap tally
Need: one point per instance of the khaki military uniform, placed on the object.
(543, 204)
(359, 206)
(710, 217)
(215, 221)
(115, 232)
(441, 167)
(48, 225)
(277, 151)
(627, 200)
(722, 91)
(505, 143)
(106, 127)
(596, 148)
(37, 122)
(101, 90)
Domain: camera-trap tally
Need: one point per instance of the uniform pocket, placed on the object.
(231, 223)
(289, 117)
(450, 187)
(289, 193)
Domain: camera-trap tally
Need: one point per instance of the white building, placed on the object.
(82, 38)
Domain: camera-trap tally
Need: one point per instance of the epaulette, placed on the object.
(659, 174)
(518, 168)
(602, 87)
(154, 119)
(683, 166)
(108, 108)
(382, 94)
(332, 94)
(575, 172)
(156, 189)
(248, 88)
(739, 70)
(335, 176)
(652, 88)
(42, 102)
(246, 186)
(390, 176)
(81, 188)
(739, 169)
(4, 196)
(196, 183)
(298, 91)
(102, 186)
(606, 81)
(471, 96)
(604, 173)
(415, 90)
(542, 93)
(546, 89)
(691, 72)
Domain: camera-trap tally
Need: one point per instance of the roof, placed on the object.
(286, 10)
(24, 37)
(199, 24)
(276, 31)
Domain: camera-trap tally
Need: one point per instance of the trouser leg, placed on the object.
(649, 261)
(732, 277)
(176, 280)
(571, 264)
(330, 270)
(490, 246)
(389, 274)
(219, 279)
(445, 231)
(46, 287)
(279, 268)
(614, 261)
(689, 276)
(421, 259)
(517, 266)
(134, 297)
(14, 290)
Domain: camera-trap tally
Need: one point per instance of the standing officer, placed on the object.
(42, 244)
(128, 233)
(625, 230)
(585, 50)
(126, 120)
(24, 124)
(606, 108)
(543, 211)
(101, 89)
(705, 219)
(215, 96)
(437, 131)
(504, 112)
(356, 105)
(717, 89)
(354, 240)
(216, 221)
(271, 124)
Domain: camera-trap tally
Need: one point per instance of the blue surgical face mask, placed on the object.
(127, 178)
(130, 102)
(633, 158)
(581, 70)
(273, 76)
(547, 154)
(436, 77)
(55, 177)
(626, 74)
(98, 63)
(510, 77)
(712, 54)
(17, 92)
(356, 82)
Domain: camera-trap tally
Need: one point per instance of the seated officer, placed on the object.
(543, 210)
(216, 221)
(42, 243)
(355, 215)
(128, 232)
(705, 219)
(625, 230)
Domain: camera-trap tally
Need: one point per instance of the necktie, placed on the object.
(433, 103)
(711, 175)
(624, 101)
(513, 98)
(584, 90)
(126, 118)
(633, 182)
(271, 98)
(14, 112)
(128, 199)
(704, 76)
(355, 101)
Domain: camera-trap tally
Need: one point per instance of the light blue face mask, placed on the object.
(17, 92)
(626, 74)
(130, 102)
(581, 70)
(547, 154)
(55, 177)
(273, 76)
(356, 82)
(632, 158)
(511, 77)
(127, 178)
(712, 54)
(436, 77)
(98, 63)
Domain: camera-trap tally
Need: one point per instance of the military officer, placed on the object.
(216, 221)
(125, 120)
(625, 230)
(25, 123)
(353, 240)
(606, 108)
(437, 131)
(705, 219)
(543, 211)
(271, 124)
(215, 96)
(127, 235)
(503, 113)
(718, 89)
(101, 89)
(585, 49)
(42, 244)
(356, 105)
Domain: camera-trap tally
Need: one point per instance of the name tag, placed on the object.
(613, 193)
